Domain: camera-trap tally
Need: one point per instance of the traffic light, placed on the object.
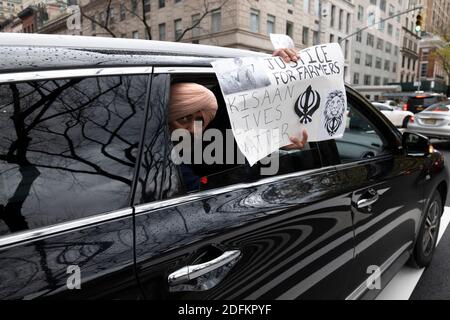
(419, 23)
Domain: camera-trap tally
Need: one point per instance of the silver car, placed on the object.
(434, 121)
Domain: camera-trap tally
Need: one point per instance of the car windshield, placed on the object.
(442, 107)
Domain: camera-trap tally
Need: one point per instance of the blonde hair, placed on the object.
(188, 98)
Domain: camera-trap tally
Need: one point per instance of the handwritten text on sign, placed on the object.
(269, 100)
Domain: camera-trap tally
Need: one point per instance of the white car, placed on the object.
(398, 117)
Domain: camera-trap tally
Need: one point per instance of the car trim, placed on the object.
(72, 73)
(145, 208)
(63, 227)
(363, 287)
(175, 69)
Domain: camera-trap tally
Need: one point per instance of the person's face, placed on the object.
(192, 123)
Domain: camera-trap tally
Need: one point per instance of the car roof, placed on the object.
(25, 52)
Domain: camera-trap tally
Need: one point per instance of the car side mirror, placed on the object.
(416, 144)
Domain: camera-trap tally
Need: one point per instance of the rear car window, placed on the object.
(422, 101)
(442, 107)
(67, 148)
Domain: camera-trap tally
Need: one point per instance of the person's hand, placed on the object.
(286, 54)
(296, 142)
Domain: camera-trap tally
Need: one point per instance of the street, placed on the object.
(434, 282)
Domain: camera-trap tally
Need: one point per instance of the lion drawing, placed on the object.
(334, 111)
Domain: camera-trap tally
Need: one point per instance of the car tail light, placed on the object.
(405, 107)
(411, 120)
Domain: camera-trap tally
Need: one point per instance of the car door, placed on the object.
(385, 189)
(243, 235)
(68, 155)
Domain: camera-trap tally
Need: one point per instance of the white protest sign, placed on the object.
(281, 41)
(269, 100)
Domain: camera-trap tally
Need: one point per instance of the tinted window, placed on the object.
(423, 101)
(228, 171)
(361, 139)
(381, 107)
(442, 107)
(67, 148)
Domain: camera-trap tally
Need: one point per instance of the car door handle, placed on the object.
(368, 201)
(188, 273)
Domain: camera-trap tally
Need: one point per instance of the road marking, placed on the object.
(402, 285)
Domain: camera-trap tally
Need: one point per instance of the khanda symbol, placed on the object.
(306, 105)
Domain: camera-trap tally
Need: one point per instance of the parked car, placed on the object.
(93, 206)
(434, 121)
(398, 117)
(391, 103)
(421, 101)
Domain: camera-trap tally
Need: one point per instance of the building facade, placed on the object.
(409, 48)
(376, 51)
(9, 9)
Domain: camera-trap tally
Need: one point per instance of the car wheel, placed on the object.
(428, 233)
(405, 122)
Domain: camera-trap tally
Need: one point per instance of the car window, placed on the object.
(230, 166)
(442, 107)
(67, 148)
(382, 107)
(361, 139)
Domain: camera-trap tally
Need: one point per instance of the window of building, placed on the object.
(359, 36)
(383, 5)
(82, 135)
(305, 36)
(316, 39)
(331, 38)
(358, 57)
(178, 28)
(147, 6)
(270, 24)
(162, 31)
(385, 81)
(380, 44)
(360, 13)
(254, 20)
(347, 23)
(390, 29)
(123, 11)
(135, 35)
(378, 62)
(370, 40)
(391, 11)
(381, 25)
(374, 2)
(161, 3)
(387, 65)
(356, 78)
(376, 81)
(134, 5)
(195, 22)
(306, 5)
(371, 17)
(394, 67)
(388, 47)
(333, 13)
(369, 60)
(341, 17)
(290, 29)
(216, 21)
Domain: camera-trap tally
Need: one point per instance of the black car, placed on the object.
(93, 206)
(422, 101)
